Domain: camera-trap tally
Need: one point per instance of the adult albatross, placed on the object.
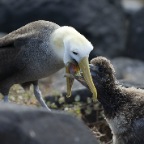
(39, 49)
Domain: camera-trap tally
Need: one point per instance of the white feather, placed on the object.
(66, 40)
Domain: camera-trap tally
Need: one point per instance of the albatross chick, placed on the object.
(123, 107)
(38, 50)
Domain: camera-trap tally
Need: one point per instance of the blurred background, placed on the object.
(115, 28)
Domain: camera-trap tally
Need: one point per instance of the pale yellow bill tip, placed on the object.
(84, 66)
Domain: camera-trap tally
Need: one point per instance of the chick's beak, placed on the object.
(84, 66)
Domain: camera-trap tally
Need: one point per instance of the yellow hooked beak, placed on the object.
(84, 66)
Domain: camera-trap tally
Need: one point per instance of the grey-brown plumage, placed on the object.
(26, 56)
(123, 107)
(39, 49)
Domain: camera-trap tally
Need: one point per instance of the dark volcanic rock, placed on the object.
(90, 111)
(129, 69)
(101, 21)
(135, 42)
(22, 125)
(81, 95)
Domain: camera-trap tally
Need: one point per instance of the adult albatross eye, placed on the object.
(75, 53)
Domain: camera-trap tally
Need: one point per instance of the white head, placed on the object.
(76, 48)
(70, 44)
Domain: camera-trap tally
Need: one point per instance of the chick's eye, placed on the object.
(75, 53)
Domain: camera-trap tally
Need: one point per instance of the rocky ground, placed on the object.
(27, 125)
(126, 69)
